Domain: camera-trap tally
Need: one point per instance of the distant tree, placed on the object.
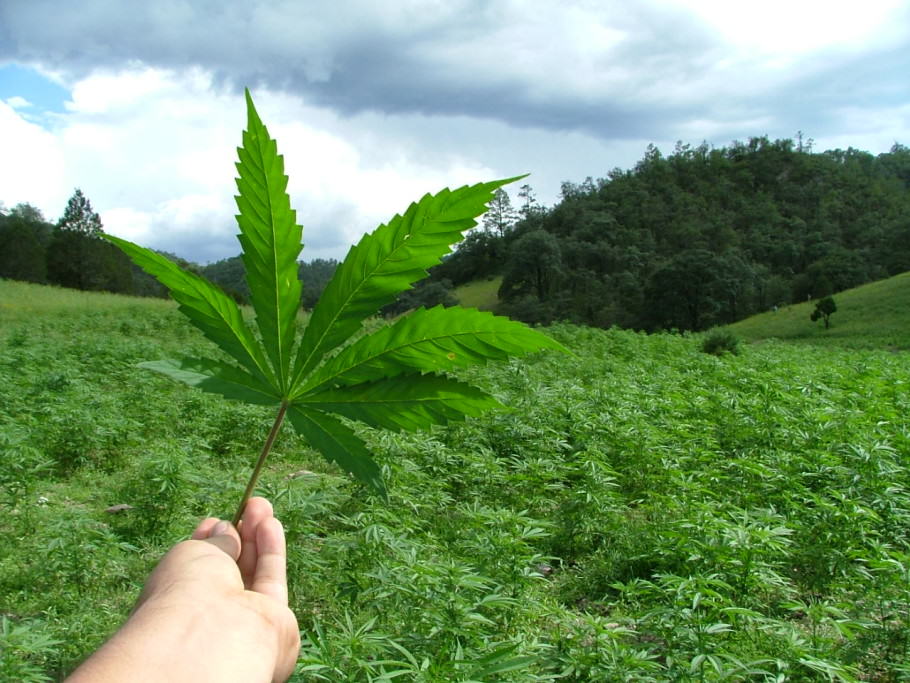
(79, 216)
(24, 235)
(27, 212)
(823, 309)
(534, 266)
(500, 217)
(230, 275)
(529, 204)
(426, 293)
(315, 275)
(78, 257)
(694, 290)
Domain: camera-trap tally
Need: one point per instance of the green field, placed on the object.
(641, 512)
(480, 294)
(874, 316)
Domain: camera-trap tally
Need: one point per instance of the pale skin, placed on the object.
(214, 609)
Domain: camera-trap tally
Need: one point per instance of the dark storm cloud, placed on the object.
(464, 58)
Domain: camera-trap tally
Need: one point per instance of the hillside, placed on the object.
(872, 316)
(699, 238)
(481, 294)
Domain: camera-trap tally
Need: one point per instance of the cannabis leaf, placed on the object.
(394, 378)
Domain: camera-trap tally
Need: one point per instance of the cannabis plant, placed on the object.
(395, 378)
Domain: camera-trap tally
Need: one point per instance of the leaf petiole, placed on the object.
(267, 446)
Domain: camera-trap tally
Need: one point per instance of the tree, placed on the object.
(24, 235)
(529, 204)
(500, 217)
(823, 309)
(80, 217)
(534, 266)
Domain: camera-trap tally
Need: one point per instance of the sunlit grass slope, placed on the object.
(874, 316)
(23, 300)
(482, 294)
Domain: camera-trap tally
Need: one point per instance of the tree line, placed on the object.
(71, 253)
(702, 237)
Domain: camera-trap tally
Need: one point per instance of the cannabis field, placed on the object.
(642, 511)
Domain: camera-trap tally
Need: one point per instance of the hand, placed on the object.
(215, 608)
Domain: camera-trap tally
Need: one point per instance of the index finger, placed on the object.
(270, 577)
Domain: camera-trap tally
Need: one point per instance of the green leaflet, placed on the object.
(393, 378)
(337, 443)
(207, 307)
(386, 262)
(217, 378)
(430, 340)
(270, 238)
(407, 403)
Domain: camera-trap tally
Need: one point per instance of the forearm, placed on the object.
(182, 643)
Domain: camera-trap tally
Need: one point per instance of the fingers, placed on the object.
(256, 511)
(220, 534)
(205, 528)
(259, 548)
(270, 577)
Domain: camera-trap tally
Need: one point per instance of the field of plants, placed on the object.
(640, 512)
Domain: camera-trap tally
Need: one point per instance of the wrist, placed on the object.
(192, 641)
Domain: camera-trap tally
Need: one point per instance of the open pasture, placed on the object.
(641, 512)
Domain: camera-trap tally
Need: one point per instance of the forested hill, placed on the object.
(701, 237)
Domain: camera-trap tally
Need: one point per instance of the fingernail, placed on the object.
(221, 528)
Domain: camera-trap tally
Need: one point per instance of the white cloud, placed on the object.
(154, 151)
(31, 165)
(17, 102)
(374, 105)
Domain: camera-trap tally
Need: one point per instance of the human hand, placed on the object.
(215, 608)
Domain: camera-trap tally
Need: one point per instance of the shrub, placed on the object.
(719, 342)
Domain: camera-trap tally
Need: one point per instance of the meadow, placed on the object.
(640, 512)
(872, 316)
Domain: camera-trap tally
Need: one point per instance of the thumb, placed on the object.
(224, 536)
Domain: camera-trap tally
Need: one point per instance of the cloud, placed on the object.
(154, 151)
(611, 69)
(32, 169)
(375, 104)
(17, 102)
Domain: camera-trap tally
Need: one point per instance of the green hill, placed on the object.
(873, 316)
(482, 294)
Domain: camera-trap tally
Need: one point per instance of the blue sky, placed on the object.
(41, 92)
(373, 104)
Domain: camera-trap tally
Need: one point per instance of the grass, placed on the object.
(21, 301)
(873, 316)
(480, 294)
(646, 512)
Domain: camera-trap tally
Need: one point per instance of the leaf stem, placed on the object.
(259, 463)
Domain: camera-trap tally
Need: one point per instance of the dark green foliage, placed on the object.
(823, 310)
(230, 275)
(24, 236)
(481, 254)
(425, 294)
(779, 222)
(719, 342)
(81, 260)
(315, 275)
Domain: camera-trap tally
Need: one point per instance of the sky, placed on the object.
(374, 104)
